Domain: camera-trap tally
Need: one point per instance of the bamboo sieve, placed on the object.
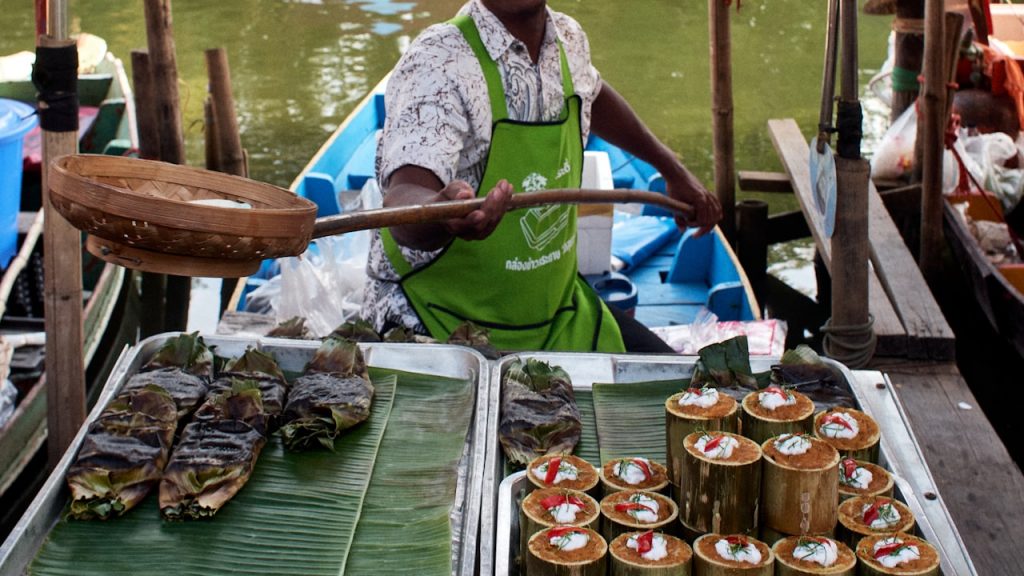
(142, 214)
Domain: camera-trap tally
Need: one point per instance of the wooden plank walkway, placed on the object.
(908, 321)
(981, 485)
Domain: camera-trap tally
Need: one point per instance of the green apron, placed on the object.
(521, 283)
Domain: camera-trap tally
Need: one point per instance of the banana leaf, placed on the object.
(405, 526)
(297, 515)
(588, 447)
(630, 419)
(187, 390)
(186, 351)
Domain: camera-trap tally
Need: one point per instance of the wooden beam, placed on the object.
(792, 148)
(754, 181)
(722, 114)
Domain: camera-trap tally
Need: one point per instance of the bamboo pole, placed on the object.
(229, 143)
(21, 260)
(908, 49)
(930, 130)
(800, 499)
(210, 137)
(720, 495)
(722, 114)
(62, 291)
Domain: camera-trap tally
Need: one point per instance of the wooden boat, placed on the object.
(681, 276)
(107, 126)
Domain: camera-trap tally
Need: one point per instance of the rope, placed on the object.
(908, 26)
(851, 345)
(904, 80)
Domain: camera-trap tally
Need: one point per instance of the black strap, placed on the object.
(55, 76)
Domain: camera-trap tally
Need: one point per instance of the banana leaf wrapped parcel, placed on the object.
(183, 366)
(333, 395)
(538, 411)
(216, 454)
(123, 454)
(260, 368)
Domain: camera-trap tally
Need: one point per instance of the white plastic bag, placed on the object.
(894, 157)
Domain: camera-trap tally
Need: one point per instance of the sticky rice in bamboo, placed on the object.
(566, 551)
(813, 556)
(897, 554)
(633, 474)
(721, 483)
(776, 410)
(649, 553)
(799, 485)
(632, 510)
(871, 515)
(859, 478)
(852, 432)
(694, 409)
(568, 472)
(732, 555)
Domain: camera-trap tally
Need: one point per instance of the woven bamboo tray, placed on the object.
(139, 213)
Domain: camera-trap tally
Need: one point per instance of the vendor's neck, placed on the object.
(524, 19)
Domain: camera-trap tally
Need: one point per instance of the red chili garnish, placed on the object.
(627, 506)
(871, 514)
(558, 499)
(888, 549)
(697, 391)
(777, 390)
(737, 541)
(835, 419)
(849, 467)
(644, 467)
(645, 542)
(713, 443)
(559, 531)
(553, 465)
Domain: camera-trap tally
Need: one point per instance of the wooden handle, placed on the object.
(420, 213)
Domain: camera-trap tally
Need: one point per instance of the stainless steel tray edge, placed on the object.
(29, 533)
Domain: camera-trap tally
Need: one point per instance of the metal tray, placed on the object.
(32, 529)
(899, 452)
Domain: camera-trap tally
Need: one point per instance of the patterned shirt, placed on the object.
(439, 118)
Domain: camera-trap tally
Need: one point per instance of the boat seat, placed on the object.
(324, 188)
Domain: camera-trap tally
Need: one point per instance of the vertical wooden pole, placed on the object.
(722, 113)
(930, 131)
(163, 65)
(751, 243)
(145, 112)
(62, 284)
(229, 143)
(908, 50)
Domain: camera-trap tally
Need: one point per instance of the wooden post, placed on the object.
(149, 127)
(229, 143)
(210, 136)
(62, 284)
(751, 243)
(930, 131)
(164, 68)
(722, 113)
(908, 48)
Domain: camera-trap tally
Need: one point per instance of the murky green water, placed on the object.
(298, 67)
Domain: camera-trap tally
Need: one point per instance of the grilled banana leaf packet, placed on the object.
(260, 368)
(183, 366)
(216, 454)
(123, 454)
(333, 394)
(538, 411)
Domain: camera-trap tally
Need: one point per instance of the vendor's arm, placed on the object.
(614, 120)
(412, 185)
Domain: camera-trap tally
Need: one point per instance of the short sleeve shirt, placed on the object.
(439, 118)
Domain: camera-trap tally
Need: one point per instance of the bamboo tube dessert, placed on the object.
(721, 483)
(649, 554)
(566, 551)
(900, 553)
(799, 485)
(813, 556)
(566, 472)
(859, 478)
(735, 555)
(631, 510)
(633, 474)
(549, 507)
(852, 432)
(689, 411)
(774, 411)
(872, 515)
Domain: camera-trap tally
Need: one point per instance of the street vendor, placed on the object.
(499, 101)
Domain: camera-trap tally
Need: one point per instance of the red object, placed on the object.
(560, 531)
(871, 514)
(777, 390)
(737, 541)
(713, 443)
(835, 419)
(697, 391)
(643, 466)
(41, 17)
(888, 549)
(627, 506)
(849, 467)
(645, 542)
(553, 465)
(559, 499)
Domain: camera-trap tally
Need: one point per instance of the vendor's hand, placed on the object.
(707, 210)
(480, 223)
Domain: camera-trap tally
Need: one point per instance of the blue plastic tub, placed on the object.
(615, 289)
(16, 119)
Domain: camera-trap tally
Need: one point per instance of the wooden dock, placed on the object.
(977, 478)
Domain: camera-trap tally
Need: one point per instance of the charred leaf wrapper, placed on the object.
(538, 411)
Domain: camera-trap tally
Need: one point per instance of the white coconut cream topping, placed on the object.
(839, 425)
(879, 516)
(891, 552)
(854, 476)
(630, 471)
(641, 507)
(566, 471)
(702, 397)
(820, 550)
(738, 550)
(565, 513)
(569, 541)
(774, 397)
(659, 547)
(716, 447)
(792, 444)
